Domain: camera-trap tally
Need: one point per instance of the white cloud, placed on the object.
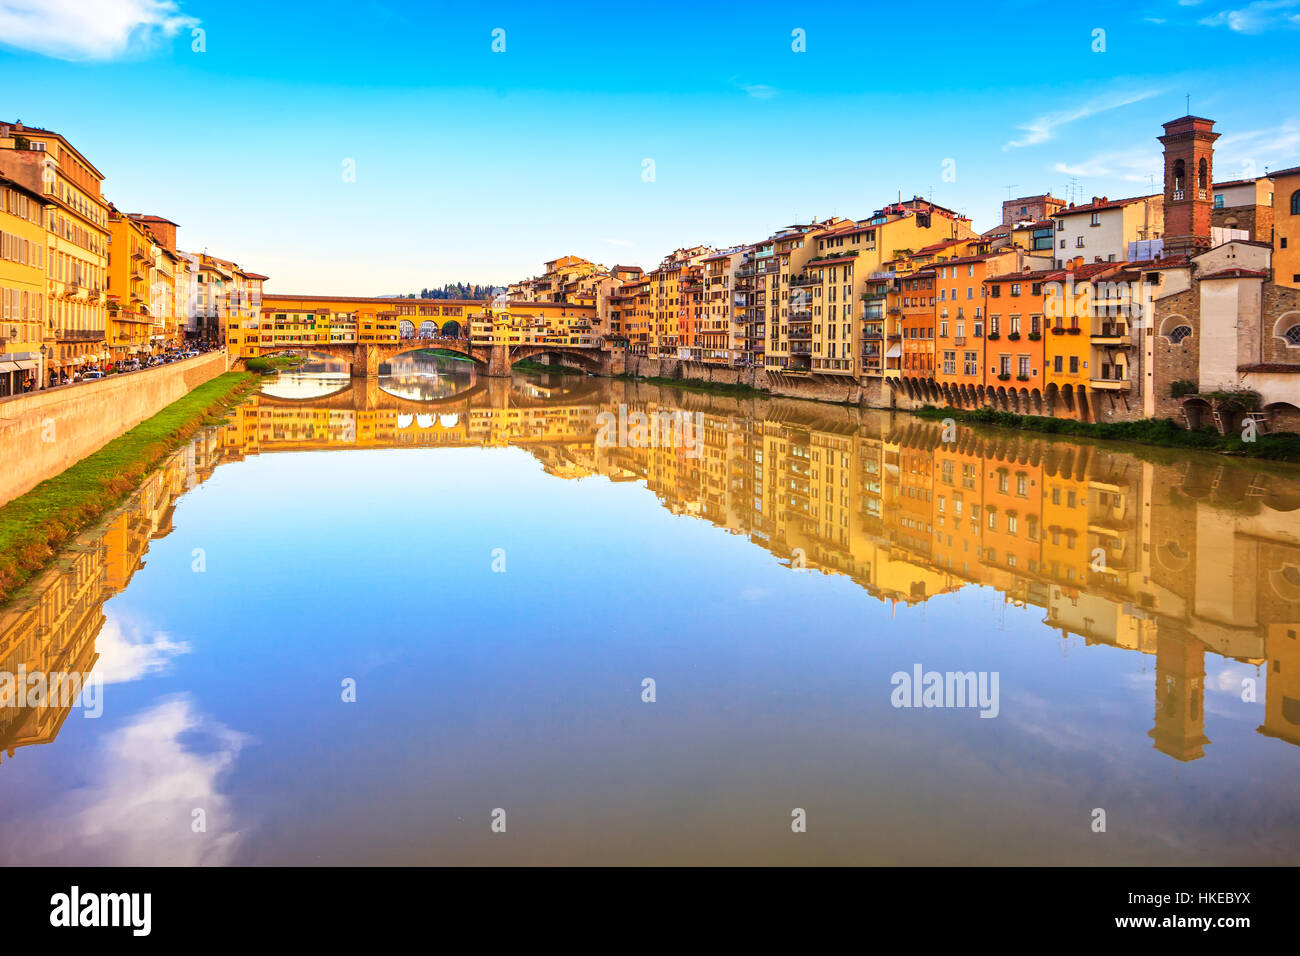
(124, 657)
(1256, 17)
(1134, 166)
(89, 29)
(1246, 154)
(1041, 130)
(136, 807)
(759, 91)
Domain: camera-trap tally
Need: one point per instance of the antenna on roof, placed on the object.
(1009, 188)
(1189, 104)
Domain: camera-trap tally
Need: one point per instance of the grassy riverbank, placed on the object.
(528, 365)
(701, 385)
(33, 526)
(1162, 432)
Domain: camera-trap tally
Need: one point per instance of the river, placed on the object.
(558, 619)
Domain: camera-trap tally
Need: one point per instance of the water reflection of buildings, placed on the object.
(54, 628)
(1149, 554)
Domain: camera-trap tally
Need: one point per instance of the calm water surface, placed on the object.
(498, 584)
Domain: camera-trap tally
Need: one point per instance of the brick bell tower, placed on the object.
(1189, 184)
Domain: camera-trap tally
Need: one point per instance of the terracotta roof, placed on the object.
(1169, 262)
(1100, 205)
(1085, 271)
(944, 244)
(1021, 276)
(1235, 274)
(1270, 366)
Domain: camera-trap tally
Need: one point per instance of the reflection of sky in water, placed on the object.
(521, 690)
(305, 384)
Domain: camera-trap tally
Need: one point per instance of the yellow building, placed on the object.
(76, 259)
(131, 288)
(22, 287)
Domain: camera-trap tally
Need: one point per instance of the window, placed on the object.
(1004, 365)
(950, 363)
(1074, 365)
(1096, 219)
(1292, 335)
(1218, 200)
(1295, 203)
(1181, 332)
(1078, 242)
(1015, 288)
(971, 365)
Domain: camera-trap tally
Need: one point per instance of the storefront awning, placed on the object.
(895, 351)
(25, 364)
(8, 367)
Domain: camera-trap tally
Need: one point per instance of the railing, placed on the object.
(79, 335)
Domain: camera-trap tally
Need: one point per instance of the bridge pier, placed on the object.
(499, 362)
(365, 361)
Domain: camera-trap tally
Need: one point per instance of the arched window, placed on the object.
(1179, 333)
(1292, 335)
(1202, 174)
(1295, 203)
(1180, 174)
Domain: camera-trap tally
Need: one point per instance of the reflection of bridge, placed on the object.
(495, 360)
(366, 395)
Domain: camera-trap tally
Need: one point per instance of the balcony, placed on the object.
(1112, 333)
(805, 279)
(800, 336)
(1109, 383)
(78, 335)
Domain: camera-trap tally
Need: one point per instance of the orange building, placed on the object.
(1015, 346)
(961, 360)
(918, 324)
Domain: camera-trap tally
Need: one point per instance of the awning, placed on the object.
(25, 363)
(895, 351)
(8, 366)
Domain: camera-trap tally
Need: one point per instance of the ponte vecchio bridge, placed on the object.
(366, 333)
(493, 360)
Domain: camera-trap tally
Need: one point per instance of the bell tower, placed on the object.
(1189, 184)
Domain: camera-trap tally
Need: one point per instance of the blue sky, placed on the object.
(477, 166)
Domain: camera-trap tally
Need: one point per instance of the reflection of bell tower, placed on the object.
(1180, 695)
(1189, 184)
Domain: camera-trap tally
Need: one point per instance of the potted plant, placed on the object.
(1004, 377)
(1074, 331)
(1034, 336)
(993, 336)
(1022, 378)
(1013, 337)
